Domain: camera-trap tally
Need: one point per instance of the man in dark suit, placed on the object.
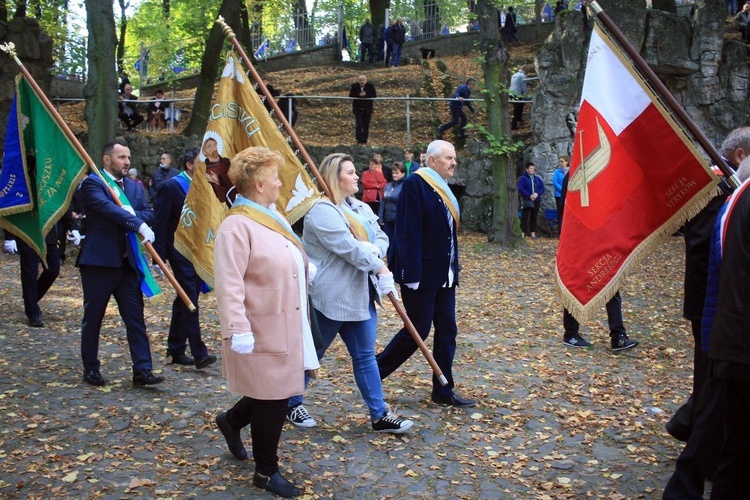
(363, 92)
(34, 286)
(426, 265)
(107, 262)
(185, 325)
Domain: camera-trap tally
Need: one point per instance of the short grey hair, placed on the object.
(743, 171)
(132, 172)
(437, 148)
(737, 138)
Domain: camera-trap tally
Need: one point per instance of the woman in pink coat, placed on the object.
(261, 291)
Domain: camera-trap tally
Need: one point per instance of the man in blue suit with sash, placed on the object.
(112, 263)
(185, 325)
(425, 263)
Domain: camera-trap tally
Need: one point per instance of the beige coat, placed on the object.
(257, 289)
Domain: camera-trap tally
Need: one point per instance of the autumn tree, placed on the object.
(504, 227)
(123, 31)
(100, 91)
(230, 11)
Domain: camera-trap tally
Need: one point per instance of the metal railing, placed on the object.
(408, 100)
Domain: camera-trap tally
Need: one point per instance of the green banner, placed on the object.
(55, 167)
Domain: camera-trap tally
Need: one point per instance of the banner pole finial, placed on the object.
(228, 32)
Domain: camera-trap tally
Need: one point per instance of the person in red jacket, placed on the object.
(373, 183)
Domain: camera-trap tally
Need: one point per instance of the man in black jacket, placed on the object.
(398, 36)
(185, 325)
(697, 233)
(367, 41)
(363, 92)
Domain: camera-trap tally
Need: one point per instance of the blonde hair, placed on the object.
(250, 165)
(330, 169)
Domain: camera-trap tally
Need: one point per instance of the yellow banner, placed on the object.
(237, 121)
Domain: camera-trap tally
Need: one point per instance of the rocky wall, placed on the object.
(34, 49)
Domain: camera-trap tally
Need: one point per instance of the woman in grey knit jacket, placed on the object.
(350, 277)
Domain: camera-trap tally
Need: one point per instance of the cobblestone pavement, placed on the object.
(553, 422)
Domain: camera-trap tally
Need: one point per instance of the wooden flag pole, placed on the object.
(229, 33)
(9, 48)
(661, 90)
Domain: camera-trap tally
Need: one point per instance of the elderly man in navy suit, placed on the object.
(107, 262)
(426, 265)
(185, 326)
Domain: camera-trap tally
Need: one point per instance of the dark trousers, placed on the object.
(458, 117)
(701, 453)
(425, 308)
(366, 47)
(510, 35)
(374, 206)
(517, 115)
(560, 208)
(528, 218)
(99, 284)
(732, 480)
(363, 126)
(33, 287)
(131, 121)
(266, 419)
(388, 53)
(685, 417)
(614, 319)
(185, 326)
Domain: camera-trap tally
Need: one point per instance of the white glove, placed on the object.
(372, 248)
(386, 284)
(412, 286)
(74, 235)
(312, 271)
(243, 343)
(128, 209)
(11, 246)
(147, 233)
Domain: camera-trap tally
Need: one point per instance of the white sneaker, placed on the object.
(298, 416)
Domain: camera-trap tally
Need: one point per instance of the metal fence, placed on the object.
(178, 112)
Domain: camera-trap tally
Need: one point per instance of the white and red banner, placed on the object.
(635, 178)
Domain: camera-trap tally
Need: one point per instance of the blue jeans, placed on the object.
(396, 54)
(359, 337)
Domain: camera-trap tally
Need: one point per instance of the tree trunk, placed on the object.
(377, 13)
(538, 18)
(123, 30)
(245, 35)
(212, 58)
(100, 91)
(504, 228)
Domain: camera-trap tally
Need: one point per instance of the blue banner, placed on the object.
(15, 188)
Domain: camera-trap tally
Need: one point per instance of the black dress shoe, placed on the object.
(232, 437)
(454, 400)
(93, 377)
(276, 483)
(36, 322)
(209, 359)
(182, 359)
(145, 377)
